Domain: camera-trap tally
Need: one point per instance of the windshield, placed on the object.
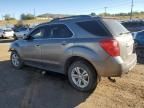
(115, 27)
(21, 29)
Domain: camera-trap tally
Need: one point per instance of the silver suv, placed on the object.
(82, 47)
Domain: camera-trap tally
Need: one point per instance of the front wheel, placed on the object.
(16, 60)
(82, 76)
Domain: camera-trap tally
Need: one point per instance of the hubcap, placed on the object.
(15, 60)
(80, 77)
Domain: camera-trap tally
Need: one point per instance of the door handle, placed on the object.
(64, 43)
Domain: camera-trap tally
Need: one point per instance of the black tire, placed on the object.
(20, 65)
(91, 73)
(140, 55)
(2, 37)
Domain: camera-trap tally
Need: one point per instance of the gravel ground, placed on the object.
(28, 88)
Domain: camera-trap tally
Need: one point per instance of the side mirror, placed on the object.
(28, 37)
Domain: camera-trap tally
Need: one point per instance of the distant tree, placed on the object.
(20, 24)
(27, 17)
(8, 17)
(105, 14)
(93, 14)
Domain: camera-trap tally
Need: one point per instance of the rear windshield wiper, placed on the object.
(125, 33)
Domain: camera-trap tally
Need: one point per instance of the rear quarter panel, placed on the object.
(89, 49)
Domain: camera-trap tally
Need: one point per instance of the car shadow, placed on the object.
(36, 90)
(53, 90)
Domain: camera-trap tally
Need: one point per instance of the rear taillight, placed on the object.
(111, 46)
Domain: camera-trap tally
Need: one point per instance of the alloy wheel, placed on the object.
(80, 77)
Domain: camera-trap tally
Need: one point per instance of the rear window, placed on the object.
(94, 27)
(115, 27)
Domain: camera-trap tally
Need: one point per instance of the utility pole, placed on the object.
(105, 8)
(132, 5)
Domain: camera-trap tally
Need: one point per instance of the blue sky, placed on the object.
(17, 7)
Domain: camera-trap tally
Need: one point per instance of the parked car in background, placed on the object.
(139, 40)
(1, 32)
(82, 47)
(134, 25)
(6, 33)
(20, 33)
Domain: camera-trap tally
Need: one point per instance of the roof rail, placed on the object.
(73, 17)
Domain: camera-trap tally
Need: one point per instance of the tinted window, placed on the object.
(94, 27)
(22, 29)
(60, 31)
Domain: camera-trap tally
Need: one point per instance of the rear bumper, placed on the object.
(115, 67)
(129, 65)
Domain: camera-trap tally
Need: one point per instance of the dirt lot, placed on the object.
(28, 88)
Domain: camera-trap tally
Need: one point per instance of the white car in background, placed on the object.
(1, 32)
(21, 33)
(6, 33)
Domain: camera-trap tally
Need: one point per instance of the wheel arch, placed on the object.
(14, 47)
(72, 59)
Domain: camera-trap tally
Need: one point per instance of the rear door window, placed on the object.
(94, 27)
(60, 31)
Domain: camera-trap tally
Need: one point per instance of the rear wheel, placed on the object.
(16, 60)
(82, 76)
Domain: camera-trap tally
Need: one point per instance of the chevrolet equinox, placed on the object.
(83, 47)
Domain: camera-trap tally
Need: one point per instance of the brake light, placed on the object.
(111, 46)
